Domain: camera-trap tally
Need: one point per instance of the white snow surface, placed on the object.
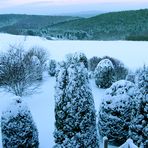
(132, 53)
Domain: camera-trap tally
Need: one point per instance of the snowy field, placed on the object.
(133, 54)
(41, 104)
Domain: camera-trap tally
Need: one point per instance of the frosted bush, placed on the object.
(104, 74)
(17, 126)
(116, 111)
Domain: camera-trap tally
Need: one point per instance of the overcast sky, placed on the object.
(50, 7)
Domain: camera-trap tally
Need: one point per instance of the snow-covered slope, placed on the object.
(132, 53)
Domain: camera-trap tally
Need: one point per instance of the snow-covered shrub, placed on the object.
(41, 58)
(77, 57)
(139, 125)
(52, 68)
(93, 62)
(104, 74)
(116, 110)
(120, 70)
(74, 109)
(36, 67)
(17, 126)
(40, 53)
(17, 72)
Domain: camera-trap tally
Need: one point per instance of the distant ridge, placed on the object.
(123, 25)
(22, 24)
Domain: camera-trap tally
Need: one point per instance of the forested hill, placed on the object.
(28, 24)
(108, 26)
(124, 25)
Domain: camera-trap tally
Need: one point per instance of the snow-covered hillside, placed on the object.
(132, 54)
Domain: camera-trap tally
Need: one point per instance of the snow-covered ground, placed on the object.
(132, 53)
(41, 104)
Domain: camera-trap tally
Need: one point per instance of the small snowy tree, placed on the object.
(116, 111)
(40, 53)
(139, 125)
(52, 68)
(120, 70)
(75, 111)
(104, 74)
(36, 67)
(17, 126)
(77, 57)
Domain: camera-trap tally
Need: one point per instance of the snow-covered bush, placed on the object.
(93, 62)
(40, 53)
(17, 126)
(120, 70)
(74, 109)
(139, 125)
(52, 68)
(104, 74)
(36, 67)
(41, 59)
(77, 57)
(18, 72)
(116, 110)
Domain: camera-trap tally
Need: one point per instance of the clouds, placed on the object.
(66, 6)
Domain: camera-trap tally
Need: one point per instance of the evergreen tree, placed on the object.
(139, 125)
(18, 127)
(120, 70)
(116, 111)
(77, 57)
(104, 74)
(52, 68)
(75, 112)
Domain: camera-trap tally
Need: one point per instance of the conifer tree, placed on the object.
(52, 68)
(139, 125)
(75, 111)
(17, 126)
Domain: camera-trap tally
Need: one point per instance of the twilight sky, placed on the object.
(68, 6)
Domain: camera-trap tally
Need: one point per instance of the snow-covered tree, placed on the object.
(19, 70)
(52, 68)
(121, 70)
(77, 57)
(60, 101)
(93, 62)
(74, 110)
(116, 111)
(17, 126)
(36, 67)
(104, 74)
(139, 125)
